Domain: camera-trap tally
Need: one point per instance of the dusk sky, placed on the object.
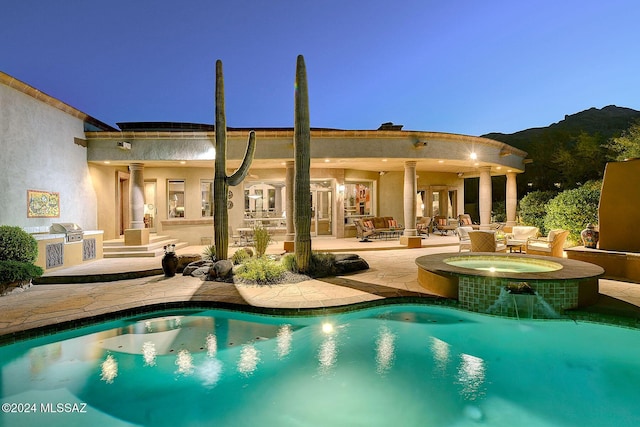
(460, 66)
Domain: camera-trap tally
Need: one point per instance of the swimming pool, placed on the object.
(403, 365)
(496, 263)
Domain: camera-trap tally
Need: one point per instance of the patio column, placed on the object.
(291, 232)
(278, 200)
(512, 198)
(484, 198)
(136, 196)
(410, 198)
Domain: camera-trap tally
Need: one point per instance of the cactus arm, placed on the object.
(243, 170)
(221, 181)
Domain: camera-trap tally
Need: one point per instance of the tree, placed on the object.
(221, 181)
(626, 146)
(533, 208)
(302, 180)
(574, 209)
(582, 159)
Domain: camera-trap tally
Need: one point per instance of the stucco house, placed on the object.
(158, 176)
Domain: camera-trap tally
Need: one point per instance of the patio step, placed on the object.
(117, 249)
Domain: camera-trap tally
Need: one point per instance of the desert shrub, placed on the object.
(289, 263)
(533, 208)
(17, 245)
(261, 270)
(209, 253)
(261, 239)
(17, 271)
(240, 256)
(574, 209)
(323, 264)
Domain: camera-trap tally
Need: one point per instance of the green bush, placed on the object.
(14, 271)
(574, 209)
(533, 209)
(262, 271)
(323, 264)
(261, 239)
(240, 256)
(17, 245)
(499, 211)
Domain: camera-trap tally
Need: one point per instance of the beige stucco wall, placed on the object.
(39, 153)
(619, 208)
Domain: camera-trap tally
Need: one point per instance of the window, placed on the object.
(175, 198)
(358, 200)
(206, 192)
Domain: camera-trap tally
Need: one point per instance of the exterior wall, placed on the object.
(619, 208)
(39, 153)
(104, 180)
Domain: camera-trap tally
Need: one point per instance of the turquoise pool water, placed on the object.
(396, 365)
(503, 264)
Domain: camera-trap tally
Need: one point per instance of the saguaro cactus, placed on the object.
(302, 181)
(221, 181)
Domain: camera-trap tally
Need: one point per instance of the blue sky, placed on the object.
(461, 66)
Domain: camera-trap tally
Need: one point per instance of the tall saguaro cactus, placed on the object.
(302, 181)
(221, 181)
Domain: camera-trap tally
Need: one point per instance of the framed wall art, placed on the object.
(43, 204)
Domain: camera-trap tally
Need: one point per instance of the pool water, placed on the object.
(402, 365)
(504, 265)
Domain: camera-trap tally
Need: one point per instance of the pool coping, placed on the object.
(576, 315)
(571, 269)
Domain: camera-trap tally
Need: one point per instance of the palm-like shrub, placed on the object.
(322, 264)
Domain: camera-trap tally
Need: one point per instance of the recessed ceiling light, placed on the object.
(473, 156)
(440, 161)
(182, 162)
(107, 162)
(384, 160)
(326, 160)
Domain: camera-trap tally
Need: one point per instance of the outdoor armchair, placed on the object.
(552, 245)
(485, 241)
(465, 240)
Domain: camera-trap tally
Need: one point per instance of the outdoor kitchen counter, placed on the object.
(54, 252)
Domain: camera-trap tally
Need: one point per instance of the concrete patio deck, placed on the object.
(392, 274)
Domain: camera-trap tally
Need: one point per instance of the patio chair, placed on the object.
(521, 233)
(442, 224)
(485, 241)
(363, 232)
(552, 245)
(463, 235)
(423, 226)
(465, 221)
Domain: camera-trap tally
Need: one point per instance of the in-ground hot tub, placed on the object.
(484, 282)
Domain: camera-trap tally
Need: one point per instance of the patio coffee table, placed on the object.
(390, 234)
(515, 246)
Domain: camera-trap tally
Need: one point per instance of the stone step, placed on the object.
(152, 246)
(153, 238)
(154, 249)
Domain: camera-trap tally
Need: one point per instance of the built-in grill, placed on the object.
(73, 232)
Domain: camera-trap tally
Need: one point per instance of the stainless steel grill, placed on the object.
(73, 232)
